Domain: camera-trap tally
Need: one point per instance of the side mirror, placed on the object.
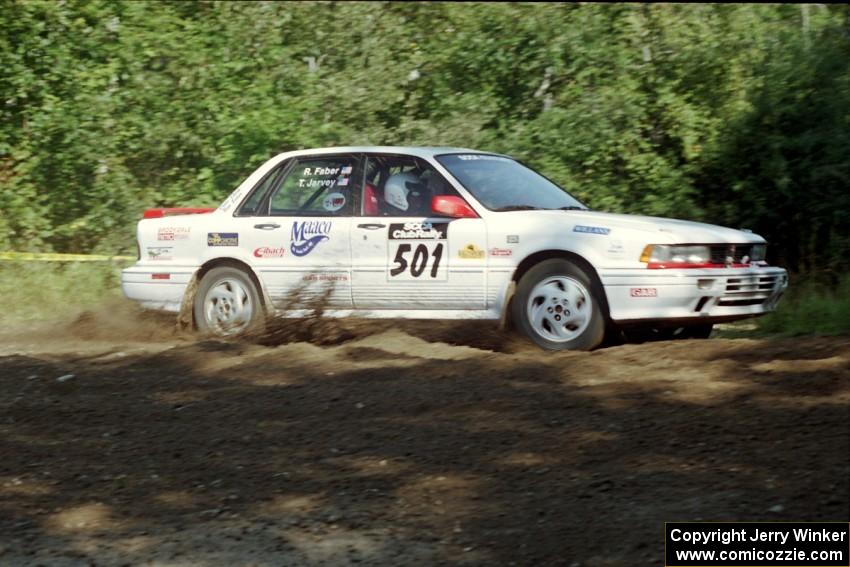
(451, 206)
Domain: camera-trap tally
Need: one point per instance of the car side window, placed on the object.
(401, 186)
(316, 186)
(252, 205)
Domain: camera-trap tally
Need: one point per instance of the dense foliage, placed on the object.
(734, 114)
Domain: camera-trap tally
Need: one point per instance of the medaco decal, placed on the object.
(223, 239)
(307, 235)
(419, 231)
(592, 229)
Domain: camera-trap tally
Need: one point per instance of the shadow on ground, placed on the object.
(391, 449)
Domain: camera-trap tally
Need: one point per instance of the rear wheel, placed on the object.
(227, 304)
(558, 307)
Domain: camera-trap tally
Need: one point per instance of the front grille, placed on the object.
(748, 290)
(720, 253)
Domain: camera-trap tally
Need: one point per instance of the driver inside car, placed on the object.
(406, 194)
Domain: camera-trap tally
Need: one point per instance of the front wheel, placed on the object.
(558, 307)
(227, 304)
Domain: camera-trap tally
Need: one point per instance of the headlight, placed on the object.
(659, 256)
(676, 254)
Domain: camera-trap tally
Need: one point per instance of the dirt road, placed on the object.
(381, 445)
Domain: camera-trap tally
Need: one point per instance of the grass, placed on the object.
(810, 309)
(38, 291)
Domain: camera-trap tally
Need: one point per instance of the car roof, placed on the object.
(418, 151)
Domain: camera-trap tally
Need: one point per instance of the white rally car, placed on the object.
(441, 233)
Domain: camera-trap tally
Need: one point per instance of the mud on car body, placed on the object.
(442, 233)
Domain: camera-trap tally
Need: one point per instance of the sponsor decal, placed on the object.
(173, 233)
(342, 182)
(501, 252)
(512, 239)
(615, 248)
(419, 231)
(345, 170)
(160, 276)
(325, 278)
(333, 202)
(471, 252)
(321, 171)
(230, 201)
(409, 261)
(643, 292)
(477, 157)
(269, 252)
(222, 239)
(306, 235)
(159, 252)
(316, 183)
(591, 229)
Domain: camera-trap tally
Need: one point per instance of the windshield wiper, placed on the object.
(517, 208)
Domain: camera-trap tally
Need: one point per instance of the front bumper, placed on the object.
(699, 295)
(157, 287)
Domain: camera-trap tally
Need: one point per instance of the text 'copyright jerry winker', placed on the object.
(757, 544)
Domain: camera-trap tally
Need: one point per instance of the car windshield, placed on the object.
(503, 184)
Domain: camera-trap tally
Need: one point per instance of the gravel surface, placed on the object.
(123, 443)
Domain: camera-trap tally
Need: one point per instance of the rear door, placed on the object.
(405, 257)
(298, 231)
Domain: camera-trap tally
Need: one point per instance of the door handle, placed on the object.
(371, 226)
(267, 226)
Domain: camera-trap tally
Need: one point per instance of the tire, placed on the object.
(558, 306)
(227, 304)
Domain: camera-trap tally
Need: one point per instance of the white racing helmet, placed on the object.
(399, 186)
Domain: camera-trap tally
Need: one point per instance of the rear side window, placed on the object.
(317, 186)
(251, 206)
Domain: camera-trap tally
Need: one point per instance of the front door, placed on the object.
(404, 257)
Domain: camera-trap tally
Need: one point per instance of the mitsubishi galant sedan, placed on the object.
(441, 233)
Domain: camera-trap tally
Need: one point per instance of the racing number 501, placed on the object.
(419, 261)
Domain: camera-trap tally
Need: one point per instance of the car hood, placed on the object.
(668, 230)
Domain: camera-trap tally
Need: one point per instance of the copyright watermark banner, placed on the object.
(757, 544)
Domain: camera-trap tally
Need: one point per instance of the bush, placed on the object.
(811, 308)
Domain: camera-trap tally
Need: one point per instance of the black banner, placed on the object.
(418, 231)
(757, 544)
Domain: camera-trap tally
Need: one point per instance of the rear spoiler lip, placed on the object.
(173, 211)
